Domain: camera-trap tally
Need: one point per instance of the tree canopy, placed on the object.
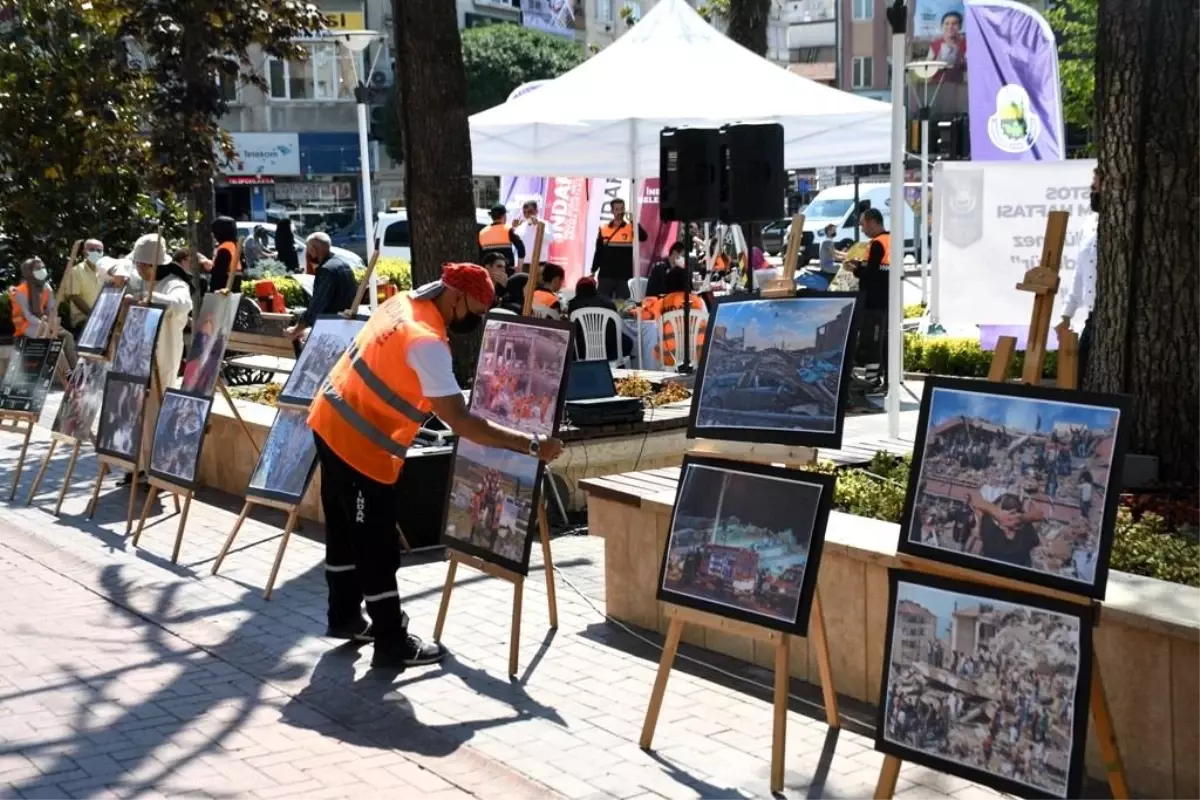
(499, 58)
(1074, 24)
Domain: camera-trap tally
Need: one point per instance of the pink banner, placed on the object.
(659, 235)
(566, 207)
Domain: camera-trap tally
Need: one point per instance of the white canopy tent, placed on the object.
(673, 69)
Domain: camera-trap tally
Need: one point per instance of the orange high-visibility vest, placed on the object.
(655, 308)
(20, 323)
(371, 405)
(617, 237)
(885, 239)
(494, 236)
(545, 297)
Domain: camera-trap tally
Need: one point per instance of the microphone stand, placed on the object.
(685, 238)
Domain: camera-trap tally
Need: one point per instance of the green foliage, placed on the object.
(74, 163)
(499, 58)
(914, 311)
(398, 270)
(286, 285)
(1147, 545)
(713, 9)
(1074, 24)
(959, 357)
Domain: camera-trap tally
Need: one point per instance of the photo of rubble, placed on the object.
(988, 685)
(491, 508)
(1017, 485)
(328, 339)
(773, 371)
(745, 541)
(519, 375)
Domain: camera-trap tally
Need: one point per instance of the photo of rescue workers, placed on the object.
(519, 376)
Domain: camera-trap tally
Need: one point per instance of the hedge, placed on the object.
(396, 269)
(1145, 544)
(960, 357)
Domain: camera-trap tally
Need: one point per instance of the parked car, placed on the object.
(392, 237)
(247, 229)
(774, 236)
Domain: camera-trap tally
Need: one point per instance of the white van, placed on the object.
(392, 237)
(836, 204)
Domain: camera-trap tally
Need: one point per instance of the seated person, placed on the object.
(514, 293)
(550, 282)
(653, 308)
(587, 295)
(655, 281)
(827, 264)
(497, 266)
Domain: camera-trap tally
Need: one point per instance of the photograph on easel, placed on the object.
(101, 322)
(135, 346)
(178, 435)
(287, 460)
(986, 684)
(29, 374)
(120, 433)
(519, 377)
(329, 338)
(775, 371)
(80, 406)
(1018, 481)
(745, 541)
(491, 511)
(212, 328)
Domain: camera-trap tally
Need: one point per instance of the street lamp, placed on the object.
(355, 43)
(925, 72)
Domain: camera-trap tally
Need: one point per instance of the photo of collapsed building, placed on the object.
(740, 540)
(1015, 481)
(519, 375)
(491, 503)
(775, 364)
(974, 682)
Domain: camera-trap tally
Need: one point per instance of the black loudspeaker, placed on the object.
(689, 174)
(753, 180)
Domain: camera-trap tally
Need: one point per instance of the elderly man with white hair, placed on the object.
(333, 286)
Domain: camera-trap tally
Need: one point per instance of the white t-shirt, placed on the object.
(528, 233)
(434, 367)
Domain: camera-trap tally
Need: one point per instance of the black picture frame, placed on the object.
(758, 433)
(154, 468)
(797, 625)
(1085, 616)
(451, 542)
(289, 395)
(282, 427)
(29, 374)
(102, 321)
(162, 313)
(910, 533)
(107, 414)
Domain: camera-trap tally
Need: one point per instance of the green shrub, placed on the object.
(397, 270)
(960, 357)
(1146, 546)
(914, 311)
(286, 285)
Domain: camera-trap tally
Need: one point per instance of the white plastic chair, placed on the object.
(697, 318)
(545, 312)
(503, 311)
(637, 289)
(594, 322)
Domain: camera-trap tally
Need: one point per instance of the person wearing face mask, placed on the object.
(81, 286)
(34, 310)
(827, 264)
(370, 409)
(334, 286)
(1082, 293)
(656, 281)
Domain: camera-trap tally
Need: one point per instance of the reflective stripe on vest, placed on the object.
(376, 385)
(494, 235)
(617, 237)
(885, 239)
(360, 424)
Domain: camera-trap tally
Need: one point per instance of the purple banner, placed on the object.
(1015, 102)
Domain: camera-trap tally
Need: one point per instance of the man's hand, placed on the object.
(128, 299)
(550, 449)
(294, 332)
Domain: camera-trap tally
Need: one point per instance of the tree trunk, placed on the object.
(437, 140)
(1145, 328)
(748, 24)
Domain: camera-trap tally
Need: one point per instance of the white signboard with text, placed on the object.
(266, 154)
(988, 225)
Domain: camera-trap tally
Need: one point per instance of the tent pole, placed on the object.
(898, 18)
(934, 268)
(635, 210)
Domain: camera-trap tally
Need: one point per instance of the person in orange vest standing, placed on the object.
(613, 262)
(364, 419)
(873, 294)
(500, 238)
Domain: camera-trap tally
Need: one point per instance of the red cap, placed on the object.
(471, 279)
(585, 282)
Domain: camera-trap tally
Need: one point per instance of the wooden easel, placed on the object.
(515, 578)
(55, 439)
(291, 509)
(1042, 281)
(792, 457)
(20, 421)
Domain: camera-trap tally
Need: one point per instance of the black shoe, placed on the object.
(409, 652)
(359, 631)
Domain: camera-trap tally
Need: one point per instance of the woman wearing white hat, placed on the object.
(172, 288)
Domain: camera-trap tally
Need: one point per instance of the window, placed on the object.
(230, 88)
(862, 73)
(604, 11)
(864, 10)
(326, 74)
(889, 72)
(396, 235)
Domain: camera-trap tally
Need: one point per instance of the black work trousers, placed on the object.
(362, 547)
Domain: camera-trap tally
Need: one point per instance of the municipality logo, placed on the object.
(1015, 126)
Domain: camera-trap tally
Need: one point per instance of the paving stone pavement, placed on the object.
(124, 675)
